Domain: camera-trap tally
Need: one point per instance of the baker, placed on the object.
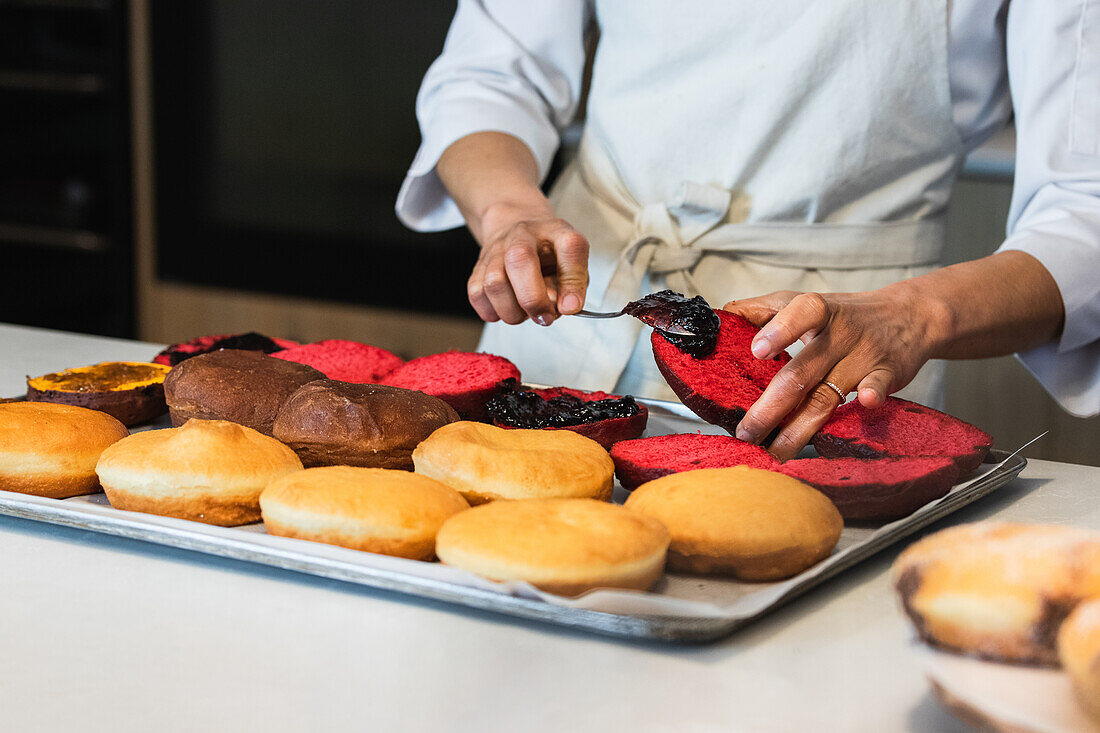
(732, 148)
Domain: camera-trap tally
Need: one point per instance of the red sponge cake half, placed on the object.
(463, 380)
(646, 459)
(901, 428)
(250, 341)
(344, 361)
(720, 387)
(876, 489)
(605, 418)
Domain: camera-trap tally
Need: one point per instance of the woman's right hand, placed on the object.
(532, 265)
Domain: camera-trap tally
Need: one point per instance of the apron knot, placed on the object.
(672, 228)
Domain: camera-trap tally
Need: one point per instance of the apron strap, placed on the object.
(670, 238)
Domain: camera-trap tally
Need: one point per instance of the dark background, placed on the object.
(283, 131)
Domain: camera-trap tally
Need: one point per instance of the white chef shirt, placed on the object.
(516, 67)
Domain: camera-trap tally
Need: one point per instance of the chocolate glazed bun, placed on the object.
(330, 423)
(245, 387)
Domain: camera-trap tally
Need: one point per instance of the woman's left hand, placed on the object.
(872, 343)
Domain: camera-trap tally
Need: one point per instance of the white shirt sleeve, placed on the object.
(1054, 74)
(506, 66)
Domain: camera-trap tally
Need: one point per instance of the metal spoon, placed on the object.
(666, 327)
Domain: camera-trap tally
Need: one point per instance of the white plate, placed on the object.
(1004, 697)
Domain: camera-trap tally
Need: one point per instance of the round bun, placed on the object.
(331, 423)
(245, 387)
(464, 381)
(208, 471)
(1079, 652)
(998, 591)
(746, 522)
(51, 450)
(348, 361)
(564, 546)
(372, 509)
(484, 463)
(131, 391)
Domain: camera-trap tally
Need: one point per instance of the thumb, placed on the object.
(571, 252)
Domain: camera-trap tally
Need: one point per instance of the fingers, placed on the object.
(875, 387)
(790, 387)
(571, 251)
(479, 299)
(806, 315)
(864, 342)
(514, 278)
(812, 415)
(524, 271)
(799, 423)
(761, 309)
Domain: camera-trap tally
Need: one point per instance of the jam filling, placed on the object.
(103, 377)
(250, 341)
(665, 309)
(517, 407)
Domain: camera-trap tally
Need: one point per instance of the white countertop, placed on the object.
(104, 633)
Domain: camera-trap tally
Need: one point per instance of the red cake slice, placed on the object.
(645, 459)
(346, 361)
(876, 489)
(250, 341)
(720, 387)
(605, 418)
(463, 380)
(901, 428)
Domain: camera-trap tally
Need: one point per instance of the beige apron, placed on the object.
(702, 240)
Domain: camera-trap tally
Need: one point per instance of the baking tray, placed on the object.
(671, 613)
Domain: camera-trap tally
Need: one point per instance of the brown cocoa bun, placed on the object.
(1079, 652)
(564, 546)
(330, 423)
(484, 463)
(998, 591)
(51, 450)
(372, 509)
(131, 391)
(745, 522)
(245, 387)
(210, 471)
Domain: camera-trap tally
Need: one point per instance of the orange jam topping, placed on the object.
(110, 376)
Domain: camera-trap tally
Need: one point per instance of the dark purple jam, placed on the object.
(250, 341)
(666, 309)
(517, 407)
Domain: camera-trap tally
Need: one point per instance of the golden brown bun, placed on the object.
(371, 509)
(51, 450)
(245, 387)
(485, 463)
(132, 391)
(564, 546)
(1079, 651)
(330, 423)
(746, 522)
(998, 591)
(208, 471)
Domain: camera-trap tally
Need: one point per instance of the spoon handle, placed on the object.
(593, 314)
